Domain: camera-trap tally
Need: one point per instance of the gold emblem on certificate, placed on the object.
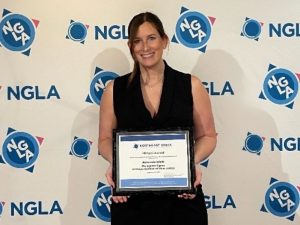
(153, 161)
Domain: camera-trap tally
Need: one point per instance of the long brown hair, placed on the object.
(133, 27)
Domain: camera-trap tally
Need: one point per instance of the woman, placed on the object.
(156, 96)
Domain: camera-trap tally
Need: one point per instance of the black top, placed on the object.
(175, 109)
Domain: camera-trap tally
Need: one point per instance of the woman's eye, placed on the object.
(136, 41)
(152, 38)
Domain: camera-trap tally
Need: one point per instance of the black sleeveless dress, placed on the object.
(175, 110)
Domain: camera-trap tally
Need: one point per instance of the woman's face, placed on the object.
(148, 45)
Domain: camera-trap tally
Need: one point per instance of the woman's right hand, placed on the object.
(108, 174)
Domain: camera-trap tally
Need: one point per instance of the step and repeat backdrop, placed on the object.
(56, 58)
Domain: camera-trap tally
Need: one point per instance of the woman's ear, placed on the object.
(129, 46)
(165, 41)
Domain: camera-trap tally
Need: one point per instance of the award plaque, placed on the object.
(159, 161)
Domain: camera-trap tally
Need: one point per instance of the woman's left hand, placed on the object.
(198, 173)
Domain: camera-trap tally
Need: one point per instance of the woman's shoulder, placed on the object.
(121, 80)
(123, 77)
(120, 83)
(176, 72)
(195, 79)
(197, 86)
(179, 76)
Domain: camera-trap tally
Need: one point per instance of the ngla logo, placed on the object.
(17, 32)
(281, 199)
(77, 31)
(280, 86)
(251, 29)
(193, 29)
(215, 89)
(288, 144)
(29, 92)
(214, 202)
(101, 203)
(98, 85)
(81, 148)
(254, 143)
(20, 150)
(34, 208)
(284, 29)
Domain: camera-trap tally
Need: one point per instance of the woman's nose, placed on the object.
(145, 46)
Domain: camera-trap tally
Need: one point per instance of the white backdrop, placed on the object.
(50, 171)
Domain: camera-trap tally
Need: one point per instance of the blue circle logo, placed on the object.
(252, 29)
(281, 86)
(282, 199)
(77, 31)
(193, 29)
(20, 150)
(17, 32)
(80, 147)
(99, 83)
(254, 143)
(101, 203)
